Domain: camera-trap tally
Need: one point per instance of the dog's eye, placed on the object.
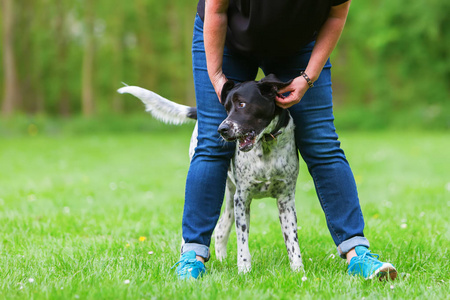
(241, 105)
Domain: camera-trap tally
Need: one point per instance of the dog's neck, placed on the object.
(283, 121)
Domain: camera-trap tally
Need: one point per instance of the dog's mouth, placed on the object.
(247, 141)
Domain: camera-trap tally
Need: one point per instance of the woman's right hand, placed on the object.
(218, 80)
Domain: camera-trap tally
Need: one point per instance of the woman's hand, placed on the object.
(218, 80)
(297, 89)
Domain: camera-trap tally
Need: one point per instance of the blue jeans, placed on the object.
(315, 137)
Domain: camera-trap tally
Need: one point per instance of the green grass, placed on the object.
(75, 200)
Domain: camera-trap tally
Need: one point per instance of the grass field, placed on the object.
(96, 214)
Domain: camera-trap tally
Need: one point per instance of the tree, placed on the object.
(87, 79)
(12, 97)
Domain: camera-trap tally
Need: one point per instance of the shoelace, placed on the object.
(369, 255)
(184, 262)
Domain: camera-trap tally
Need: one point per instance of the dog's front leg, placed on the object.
(242, 216)
(288, 220)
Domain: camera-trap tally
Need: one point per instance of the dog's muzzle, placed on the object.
(229, 133)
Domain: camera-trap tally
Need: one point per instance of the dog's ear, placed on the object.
(270, 85)
(225, 90)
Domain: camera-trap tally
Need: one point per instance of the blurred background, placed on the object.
(66, 59)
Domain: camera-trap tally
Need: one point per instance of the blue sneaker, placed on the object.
(366, 264)
(189, 266)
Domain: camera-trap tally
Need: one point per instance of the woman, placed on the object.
(292, 39)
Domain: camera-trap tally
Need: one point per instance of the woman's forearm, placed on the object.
(327, 39)
(214, 33)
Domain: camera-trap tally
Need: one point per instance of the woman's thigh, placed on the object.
(210, 112)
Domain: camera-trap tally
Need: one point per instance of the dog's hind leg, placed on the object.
(223, 227)
(288, 221)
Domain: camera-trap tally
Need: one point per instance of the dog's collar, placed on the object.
(283, 121)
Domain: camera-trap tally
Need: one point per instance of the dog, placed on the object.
(265, 163)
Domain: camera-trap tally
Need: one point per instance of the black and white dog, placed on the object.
(265, 163)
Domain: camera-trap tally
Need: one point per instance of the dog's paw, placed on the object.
(297, 267)
(245, 268)
(221, 254)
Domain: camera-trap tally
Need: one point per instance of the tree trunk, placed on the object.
(117, 28)
(87, 80)
(61, 65)
(12, 97)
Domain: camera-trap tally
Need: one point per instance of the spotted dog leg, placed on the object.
(242, 216)
(288, 220)
(223, 227)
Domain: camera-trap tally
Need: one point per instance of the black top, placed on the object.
(273, 27)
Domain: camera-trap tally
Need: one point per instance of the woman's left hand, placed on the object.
(297, 89)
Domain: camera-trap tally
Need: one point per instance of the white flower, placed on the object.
(392, 287)
(30, 280)
(113, 186)
(304, 278)
(127, 281)
(403, 226)
(150, 252)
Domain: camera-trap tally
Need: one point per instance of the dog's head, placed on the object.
(251, 108)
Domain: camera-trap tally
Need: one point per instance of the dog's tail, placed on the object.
(161, 108)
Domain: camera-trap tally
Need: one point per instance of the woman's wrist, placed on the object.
(308, 80)
(218, 79)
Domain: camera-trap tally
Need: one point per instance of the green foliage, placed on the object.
(392, 62)
(396, 61)
(74, 204)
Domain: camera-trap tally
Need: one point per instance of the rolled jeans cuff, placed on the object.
(349, 244)
(199, 249)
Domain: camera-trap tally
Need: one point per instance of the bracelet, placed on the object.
(308, 80)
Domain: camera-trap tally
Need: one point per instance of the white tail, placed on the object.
(161, 108)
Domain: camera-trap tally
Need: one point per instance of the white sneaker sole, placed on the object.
(383, 272)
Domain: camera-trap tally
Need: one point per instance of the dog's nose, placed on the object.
(223, 129)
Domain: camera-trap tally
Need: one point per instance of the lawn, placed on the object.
(95, 213)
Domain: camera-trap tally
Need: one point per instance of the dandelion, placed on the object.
(142, 238)
(127, 245)
(127, 281)
(304, 278)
